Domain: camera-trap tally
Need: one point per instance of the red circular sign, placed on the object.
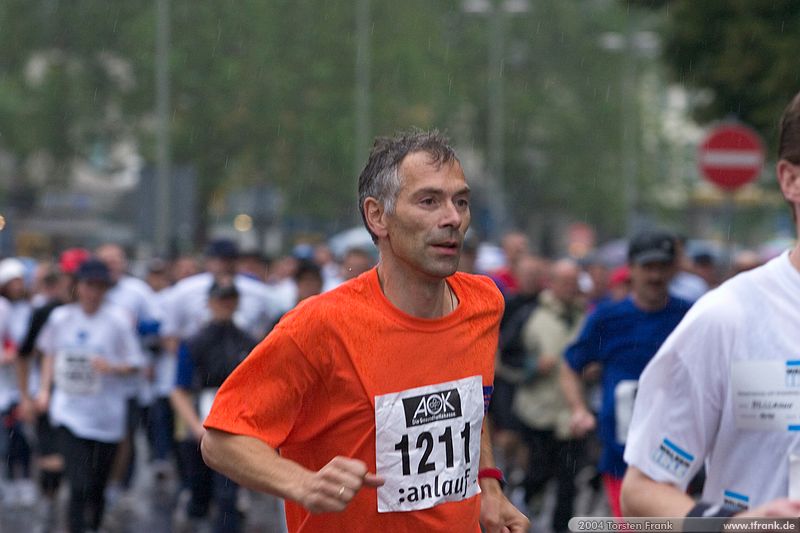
(731, 155)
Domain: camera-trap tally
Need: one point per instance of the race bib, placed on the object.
(766, 395)
(624, 398)
(428, 444)
(74, 373)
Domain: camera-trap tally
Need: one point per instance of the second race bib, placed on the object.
(74, 373)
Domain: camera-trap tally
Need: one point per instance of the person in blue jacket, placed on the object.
(622, 337)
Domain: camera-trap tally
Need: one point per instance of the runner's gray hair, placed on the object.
(381, 178)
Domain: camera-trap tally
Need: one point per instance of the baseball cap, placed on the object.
(222, 249)
(93, 270)
(223, 290)
(620, 275)
(71, 259)
(11, 268)
(652, 247)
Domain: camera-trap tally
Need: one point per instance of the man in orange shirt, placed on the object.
(364, 407)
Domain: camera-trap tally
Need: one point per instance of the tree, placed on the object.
(739, 55)
(263, 92)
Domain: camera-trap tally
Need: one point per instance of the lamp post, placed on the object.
(632, 45)
(497, 11)
(163, 159)
(362, 93)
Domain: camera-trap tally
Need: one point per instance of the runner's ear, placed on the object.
(375, 215)
(789, 180)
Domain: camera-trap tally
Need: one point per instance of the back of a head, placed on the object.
(380, 178)
(531, 273)
(307, 269)
(356, 261)
(789, 143)
(114, 256)
(789, 135)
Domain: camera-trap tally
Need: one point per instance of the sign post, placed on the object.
(730, 156)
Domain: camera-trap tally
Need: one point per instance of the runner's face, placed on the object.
(431, 216)
(650, 281)
(90, 295)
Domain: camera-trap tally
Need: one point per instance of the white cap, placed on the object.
(11, 268)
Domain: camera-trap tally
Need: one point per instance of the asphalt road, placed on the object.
(151, 506)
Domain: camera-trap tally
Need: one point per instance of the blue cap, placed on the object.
(223, 249)
(94, 270)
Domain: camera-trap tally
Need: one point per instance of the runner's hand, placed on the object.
(545, 365)
(498, 515)
(7, 356)
(336, 484)
(581, 422)
(42, 401)
(27, 409)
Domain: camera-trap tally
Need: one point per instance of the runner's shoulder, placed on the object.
(478, 287)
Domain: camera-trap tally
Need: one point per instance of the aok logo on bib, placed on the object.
(432, 407)
(428, 444)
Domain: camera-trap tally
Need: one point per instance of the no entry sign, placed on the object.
(731, 155)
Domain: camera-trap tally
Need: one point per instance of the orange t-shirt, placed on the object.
(347, 373)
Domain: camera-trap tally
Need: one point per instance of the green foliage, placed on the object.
(263, 92)
(742, 51)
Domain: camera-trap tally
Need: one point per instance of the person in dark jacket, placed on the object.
(204, 361)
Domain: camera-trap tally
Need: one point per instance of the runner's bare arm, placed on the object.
(253, 464)
(581, 421)
(181, 401)
(45, 383)
(498, 514)
(642, 496)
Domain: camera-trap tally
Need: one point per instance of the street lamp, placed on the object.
(362, 92)
(163, 157)
(496, 101)
(632, 45)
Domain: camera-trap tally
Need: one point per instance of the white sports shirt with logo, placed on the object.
(89, 404)
(725, 388)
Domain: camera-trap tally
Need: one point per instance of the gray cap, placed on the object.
(652, 247)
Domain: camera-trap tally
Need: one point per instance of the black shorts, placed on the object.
(46, 436)
(500, 409)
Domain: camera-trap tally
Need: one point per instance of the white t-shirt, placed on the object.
(725, 389)
(166, 363)
(136, 298)
(19, 321)
(187, 307)
(91, 405)
(9, 391)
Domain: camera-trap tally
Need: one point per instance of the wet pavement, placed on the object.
(151, 506)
